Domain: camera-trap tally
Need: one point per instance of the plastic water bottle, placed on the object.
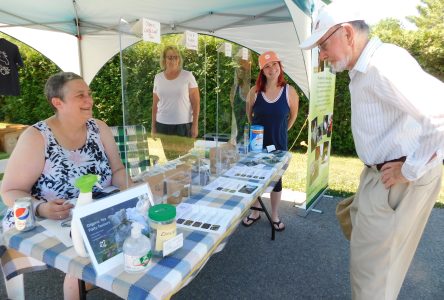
(246, 138)
(137, 250)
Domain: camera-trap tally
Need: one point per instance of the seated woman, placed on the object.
(52, 153)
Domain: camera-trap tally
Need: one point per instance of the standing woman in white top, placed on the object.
(176, 103)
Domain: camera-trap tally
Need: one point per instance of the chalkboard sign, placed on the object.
(105, 224)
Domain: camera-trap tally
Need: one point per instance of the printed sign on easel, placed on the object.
(105, 224)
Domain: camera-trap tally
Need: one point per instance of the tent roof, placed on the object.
(82, 35)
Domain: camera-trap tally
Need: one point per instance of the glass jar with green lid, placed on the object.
(162, 218)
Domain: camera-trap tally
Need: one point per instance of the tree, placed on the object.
(391, 30)
(428, 44)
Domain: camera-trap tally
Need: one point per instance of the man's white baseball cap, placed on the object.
(337, 12)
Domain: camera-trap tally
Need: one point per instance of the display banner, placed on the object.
(320, 125)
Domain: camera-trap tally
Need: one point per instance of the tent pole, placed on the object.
(79, 37)
(80, 56)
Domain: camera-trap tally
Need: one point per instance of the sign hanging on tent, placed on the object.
(244, 53)
(226, 48)
(191, 40)
(151, 31)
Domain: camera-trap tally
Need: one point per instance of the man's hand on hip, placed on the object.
(391, 174)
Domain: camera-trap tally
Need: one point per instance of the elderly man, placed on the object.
(398, 129)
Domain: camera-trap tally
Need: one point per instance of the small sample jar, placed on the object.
(162, 218)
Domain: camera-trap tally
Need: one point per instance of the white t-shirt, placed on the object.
(174, 106)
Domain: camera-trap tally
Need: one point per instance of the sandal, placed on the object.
(250, 219)
(277, 226)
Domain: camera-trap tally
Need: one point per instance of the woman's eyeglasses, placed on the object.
(172, 57)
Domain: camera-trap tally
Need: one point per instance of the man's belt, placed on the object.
(379, 166)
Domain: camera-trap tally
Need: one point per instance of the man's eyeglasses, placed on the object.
(321, 46)
(172, 57)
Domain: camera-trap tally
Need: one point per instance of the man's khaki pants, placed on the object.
(387, 227)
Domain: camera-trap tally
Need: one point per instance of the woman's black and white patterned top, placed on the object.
(63, 167)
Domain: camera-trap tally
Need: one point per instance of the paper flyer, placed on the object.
(204, 218)
(261, 160)
(57, 229)
(233, 186)
(255, 174)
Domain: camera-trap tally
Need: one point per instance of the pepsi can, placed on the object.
(23, 214)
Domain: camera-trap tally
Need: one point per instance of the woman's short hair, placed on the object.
(55, 84)
(164, 54)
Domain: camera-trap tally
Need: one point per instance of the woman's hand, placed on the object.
(195, 106)
(54, 210)
(154, 116)
(194, 130)
(153, 132)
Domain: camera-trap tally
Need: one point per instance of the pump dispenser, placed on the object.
(136, 250)
(85, 184)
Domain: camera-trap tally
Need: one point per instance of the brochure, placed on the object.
(203, 218)
(57, 229)
(262, 160)
(253, 174)
(233, 187)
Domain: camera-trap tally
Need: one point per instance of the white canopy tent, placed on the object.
(82, 35)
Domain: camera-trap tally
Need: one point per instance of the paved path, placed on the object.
(309, 260)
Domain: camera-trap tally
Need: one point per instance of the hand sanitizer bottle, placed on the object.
(136, 250)
(85, 184)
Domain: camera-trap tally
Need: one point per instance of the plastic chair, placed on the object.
(134, 153)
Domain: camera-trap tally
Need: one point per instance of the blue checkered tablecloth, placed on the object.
(165, 276)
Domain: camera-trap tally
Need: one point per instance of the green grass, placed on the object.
(343, 177)
(4, 155)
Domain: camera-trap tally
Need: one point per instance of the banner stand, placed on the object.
(303, 211)
(320, 120)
